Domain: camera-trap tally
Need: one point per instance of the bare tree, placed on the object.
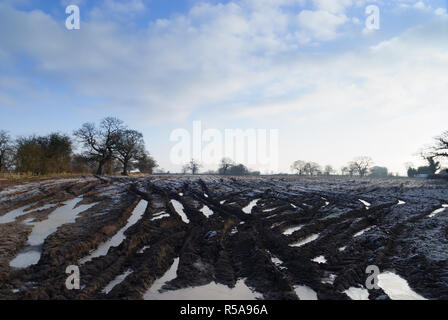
(441, 147)
(329, 170)
(344, 170)
(100, 142)
(312, 168)
(361, 165)
(5, 151)
(193, 166)
(129, 146)
(225, 165)
(299, 167)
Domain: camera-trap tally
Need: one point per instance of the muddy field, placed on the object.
(224, 238)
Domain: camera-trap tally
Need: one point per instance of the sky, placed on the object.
(310, 69)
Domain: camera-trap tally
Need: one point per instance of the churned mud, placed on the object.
(207, 237)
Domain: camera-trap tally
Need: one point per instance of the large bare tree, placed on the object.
(100, 142)
(299, 167)
(5, 150)
(129, 146)
(361, 165)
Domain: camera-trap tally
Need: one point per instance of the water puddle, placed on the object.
(211, 291)
(269, 210)
(222, 202)
(360, 233)
(342, 249)
(160, 216)
(320, 259)
(396, 287)
(30, 255)
(206, 211)
(119, 237)
(143, 249)
(440, 210)
(248, 209)
(180, 210)
(14, 214)
(119, 279)
(365, 203)
(305, 293)
(291, 230)
(357, 293)
(305, 241)
(330, 279)
(205, 195)
(294, 206)
(401, 202)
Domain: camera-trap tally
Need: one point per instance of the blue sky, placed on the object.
(306, 67)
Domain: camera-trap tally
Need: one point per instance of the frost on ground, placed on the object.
(170, 237)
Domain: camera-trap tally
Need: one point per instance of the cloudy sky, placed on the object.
(309, 68)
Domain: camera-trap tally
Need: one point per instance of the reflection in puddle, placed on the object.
(118, 238)
(396, 287)
(41, 230)
(305, 241)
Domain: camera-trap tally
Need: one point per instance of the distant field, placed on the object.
(209, 237)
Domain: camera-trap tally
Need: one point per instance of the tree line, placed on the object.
(226, 167)
(107, 148)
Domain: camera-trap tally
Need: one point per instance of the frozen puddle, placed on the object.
(248, 209)
(396, 287)
(401, 202)
(119, 279)
(118, 238)
(360, 233)
(320, 259)
(305, 241)
(211, 291)
(14, 214)
(41, 230)
(365, 203)
(357, 293)
(222, 202)
(206, 211)
(305, 293)
(180, 210)
(269, 210)
(435, 212)
(291, 230)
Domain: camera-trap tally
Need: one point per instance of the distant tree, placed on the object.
(312, 168)
(224, 165)
(440, 149)
(329, 170)
(238, 170)
(101, 142)
(129, 146)
(361, 165)
(379, 172)
(44, 154)
(412, 172)
(344, 171)
(193, 166)
(6, 151)
(145, 163)
(298, 167)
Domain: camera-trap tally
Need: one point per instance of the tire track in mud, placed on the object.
(264, 247)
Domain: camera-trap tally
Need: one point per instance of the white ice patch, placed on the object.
(180, 210)
(119, 279)
(294, 206)
(248, 209)
(205, 195)
(41, 230)
(291, 230)
(440, 210)
(401, 202)
(269, 210)
(365, 203)
(396, 287)
(357, 293)
(119, 237)
(305, 241)
(320, 259)
(222, 202)
(362, 231)
(206, 211)
(305, 293)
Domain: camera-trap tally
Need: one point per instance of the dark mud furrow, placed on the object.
(264, 246)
